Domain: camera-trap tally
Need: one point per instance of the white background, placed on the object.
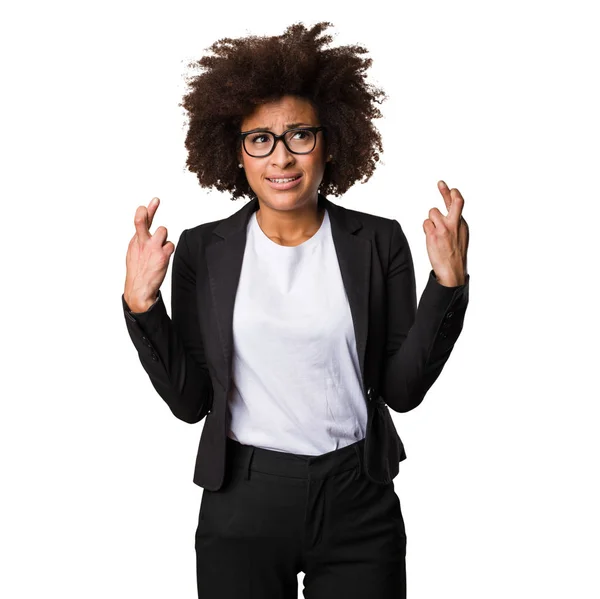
(499, 490)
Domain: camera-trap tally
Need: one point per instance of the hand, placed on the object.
(448, 239)
(147, 259)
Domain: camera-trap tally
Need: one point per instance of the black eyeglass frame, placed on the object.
(281, 137)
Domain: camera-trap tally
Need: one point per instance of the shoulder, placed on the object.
(214, 231)
(384, 231)
(204, 229)
(367, 219)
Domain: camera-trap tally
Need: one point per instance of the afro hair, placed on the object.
(248, 71)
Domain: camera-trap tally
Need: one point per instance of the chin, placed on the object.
(283, 195)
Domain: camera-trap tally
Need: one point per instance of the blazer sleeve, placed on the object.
(421, 339)
(171, 350)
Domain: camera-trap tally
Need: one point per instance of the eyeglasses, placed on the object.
(259, 144)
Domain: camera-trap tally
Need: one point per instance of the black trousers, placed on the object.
(281, 513)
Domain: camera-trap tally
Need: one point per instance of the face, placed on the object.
(277, 116)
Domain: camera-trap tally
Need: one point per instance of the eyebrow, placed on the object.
(287, 125)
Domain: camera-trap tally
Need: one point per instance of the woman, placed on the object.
(294, 324)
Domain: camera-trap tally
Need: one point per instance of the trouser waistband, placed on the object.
(294, 465)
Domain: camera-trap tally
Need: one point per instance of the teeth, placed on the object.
(283, 180)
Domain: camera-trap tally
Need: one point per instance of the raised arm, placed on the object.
(421, 339)
(171, 350)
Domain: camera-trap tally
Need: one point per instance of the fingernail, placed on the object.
(444, 184)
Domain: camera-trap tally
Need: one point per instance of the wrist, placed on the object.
(451, 280)
(138, 306)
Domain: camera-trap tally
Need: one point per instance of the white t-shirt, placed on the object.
(296, 383)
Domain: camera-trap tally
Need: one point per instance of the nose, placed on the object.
(281, 156)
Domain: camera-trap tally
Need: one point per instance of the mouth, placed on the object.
(284, 182)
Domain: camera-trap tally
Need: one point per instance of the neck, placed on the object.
(291, 226)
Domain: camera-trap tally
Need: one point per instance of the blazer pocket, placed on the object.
(383, 450)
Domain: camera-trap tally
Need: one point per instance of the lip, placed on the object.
(285, 185)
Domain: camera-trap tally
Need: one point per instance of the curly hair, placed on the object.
(248, 71)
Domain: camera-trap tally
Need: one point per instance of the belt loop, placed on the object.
(250, 456)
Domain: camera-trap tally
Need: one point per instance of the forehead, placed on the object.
(277, 114)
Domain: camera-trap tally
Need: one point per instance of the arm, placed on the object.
(171, 350)
(421, 339)
(136, 313)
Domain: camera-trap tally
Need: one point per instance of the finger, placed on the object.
(445, 194)
(437, 218)
(453, 200)
(152, 208)
(160, 235)
(169, 248)
(428, 227)
(455, 212)
(140, 220)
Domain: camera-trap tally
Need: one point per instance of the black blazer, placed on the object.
(401, 348)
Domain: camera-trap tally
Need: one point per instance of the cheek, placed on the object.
(313, 163)
(253, 173)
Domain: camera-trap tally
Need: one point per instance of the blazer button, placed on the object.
(449, 315)
(154, 357)
(370, 393)
(443, 335)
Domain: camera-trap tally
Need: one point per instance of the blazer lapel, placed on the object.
(224, 258)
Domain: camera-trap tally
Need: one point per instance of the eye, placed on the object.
(303, 134)
(258, 138)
